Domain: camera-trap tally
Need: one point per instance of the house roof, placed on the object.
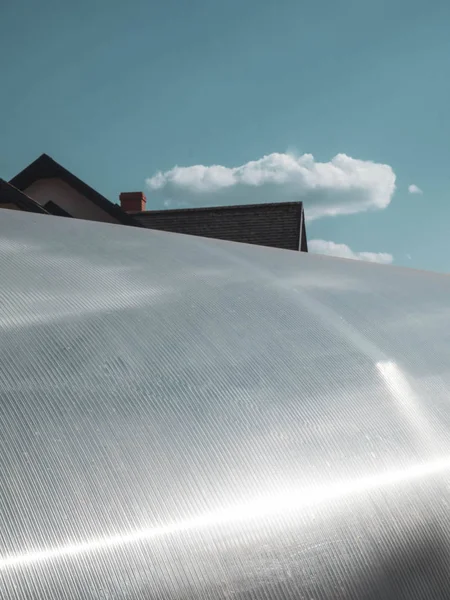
(279, 225)
(45, 167)
(10, 195)
(187, 418)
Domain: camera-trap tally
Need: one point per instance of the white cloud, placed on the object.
(414, 189)
(344, 251)
(344, 185)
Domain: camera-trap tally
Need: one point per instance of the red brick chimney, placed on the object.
(132, 201)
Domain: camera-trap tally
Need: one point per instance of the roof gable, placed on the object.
(45, 167)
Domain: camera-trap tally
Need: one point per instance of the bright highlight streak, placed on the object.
(250, 511)
(408, 403)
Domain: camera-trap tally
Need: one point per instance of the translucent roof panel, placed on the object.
(190, 418)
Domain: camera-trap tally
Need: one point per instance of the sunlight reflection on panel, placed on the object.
(256, 509)
(40, 314)
(407, 401)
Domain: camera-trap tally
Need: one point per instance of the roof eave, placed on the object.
(9, 194)
(46, 167)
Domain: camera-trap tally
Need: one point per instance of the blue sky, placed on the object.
(121, 91)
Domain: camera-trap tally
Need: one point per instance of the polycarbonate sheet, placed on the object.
(188, 418)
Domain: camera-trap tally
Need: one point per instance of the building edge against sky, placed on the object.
(47, 187)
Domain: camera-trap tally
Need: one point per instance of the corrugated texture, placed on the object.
(276, 225)
(188, 418)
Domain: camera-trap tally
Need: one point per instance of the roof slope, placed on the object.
(276, 224)
(11, 195)
(184, 418)
(45, 167)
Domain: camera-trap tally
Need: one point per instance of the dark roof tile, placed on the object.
(280, 225)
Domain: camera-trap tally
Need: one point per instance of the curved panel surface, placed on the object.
(188, 418)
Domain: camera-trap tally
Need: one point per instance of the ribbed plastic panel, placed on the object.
(188, 418)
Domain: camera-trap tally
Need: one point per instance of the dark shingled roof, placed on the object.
(45, 167)
(280, 225)
(11, 195)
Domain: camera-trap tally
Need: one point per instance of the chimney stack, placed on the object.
(132, 201)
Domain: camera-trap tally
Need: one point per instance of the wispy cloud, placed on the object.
(342, 186)
(414, 189)
(344, 251)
